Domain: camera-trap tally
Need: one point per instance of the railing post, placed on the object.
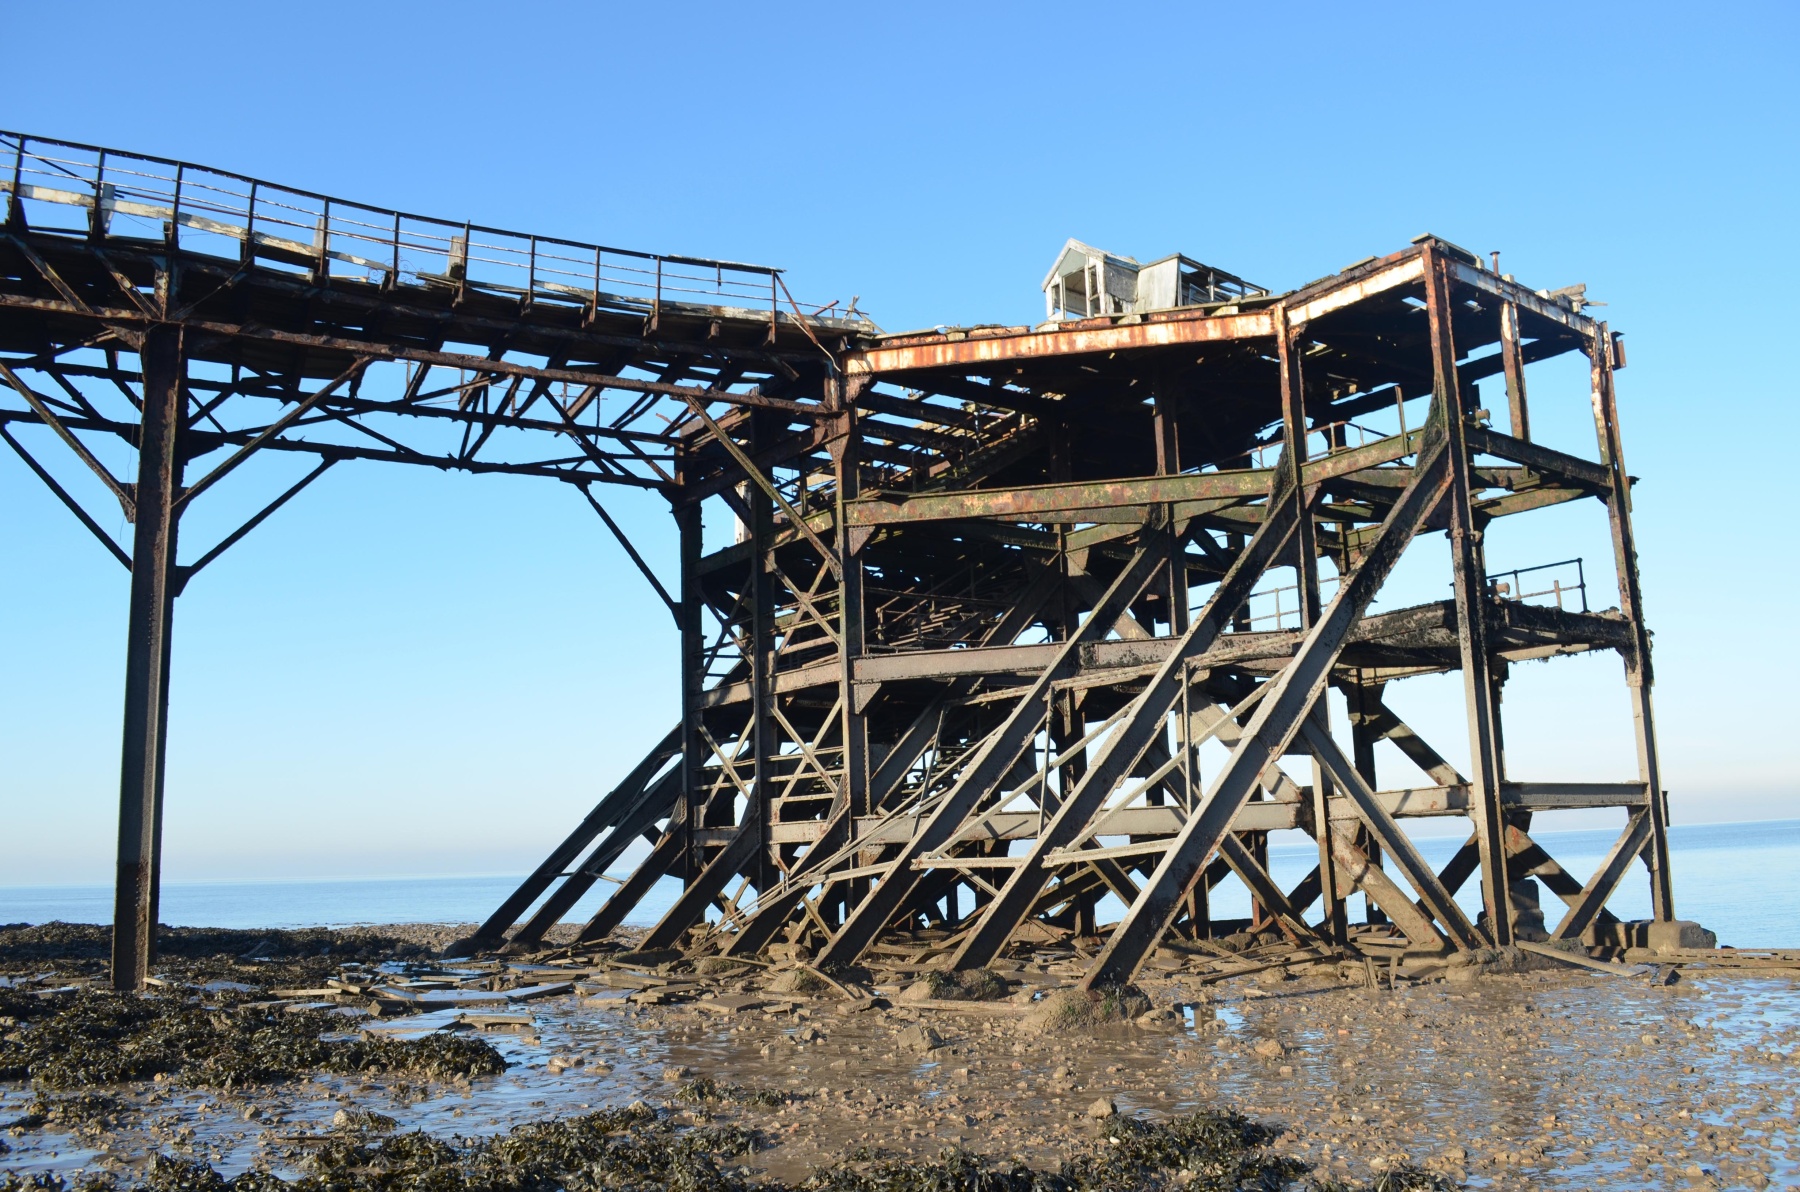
(656, 303)
(458, 263)
(593, 310)
(1513, 365)
(97, 213)
(174, 236)
(249, 255)
(322, 246)
(15, 214)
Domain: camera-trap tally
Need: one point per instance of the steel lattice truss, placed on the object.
(1001, 598)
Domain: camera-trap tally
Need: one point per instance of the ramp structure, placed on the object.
(1018, 619)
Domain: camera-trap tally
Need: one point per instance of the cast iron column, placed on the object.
(135, 901)
(1639, 677)
(1512, 360)
(1362, 746)
(855, 725)
(1469, 576)
(693, 680)
(1306, 564)
(759, 809)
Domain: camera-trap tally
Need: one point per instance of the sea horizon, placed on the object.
(1746, 904)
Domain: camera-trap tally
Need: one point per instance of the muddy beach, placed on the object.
(357, 1060)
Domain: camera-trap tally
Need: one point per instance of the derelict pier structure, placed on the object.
(1018, 621)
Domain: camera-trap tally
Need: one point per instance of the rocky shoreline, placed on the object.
(356, 1059)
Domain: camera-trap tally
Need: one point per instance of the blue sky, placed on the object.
(413, 673)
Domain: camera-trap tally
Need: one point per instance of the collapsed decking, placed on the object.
(995, 587)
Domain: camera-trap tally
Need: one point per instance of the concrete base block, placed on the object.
(1528, 912)
(1679, 935)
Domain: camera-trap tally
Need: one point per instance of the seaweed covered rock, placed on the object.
(1083, 1009)
(1206, 1150)
(630, 1148)
(1201, 1152)
(249, 960)
(706, 1089)
(956, 1170)
(85, 1038)
(636, 1149)
(363, 1121)
(719, 966)
(975, 985)
(93, 941)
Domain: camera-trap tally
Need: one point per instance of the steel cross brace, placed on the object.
(1127, 746)
(1394, 843)
(835, 848)
(1626, 849)
(635, 817)
(989, 767)
(605, 814)
(1276, 720)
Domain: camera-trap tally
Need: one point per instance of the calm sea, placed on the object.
(1740, 880)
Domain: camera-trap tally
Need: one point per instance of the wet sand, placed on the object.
(1551, 1079)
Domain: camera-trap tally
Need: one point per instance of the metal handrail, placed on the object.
(1282, 611)
(1557, 590)
(277, 226)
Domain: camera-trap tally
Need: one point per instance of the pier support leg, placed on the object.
(1468, 562)
(693, 675)
(1362, 744)
(759, 807)
(1639, 676)
(1306, 563)
(153, 584)
(848, 466)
